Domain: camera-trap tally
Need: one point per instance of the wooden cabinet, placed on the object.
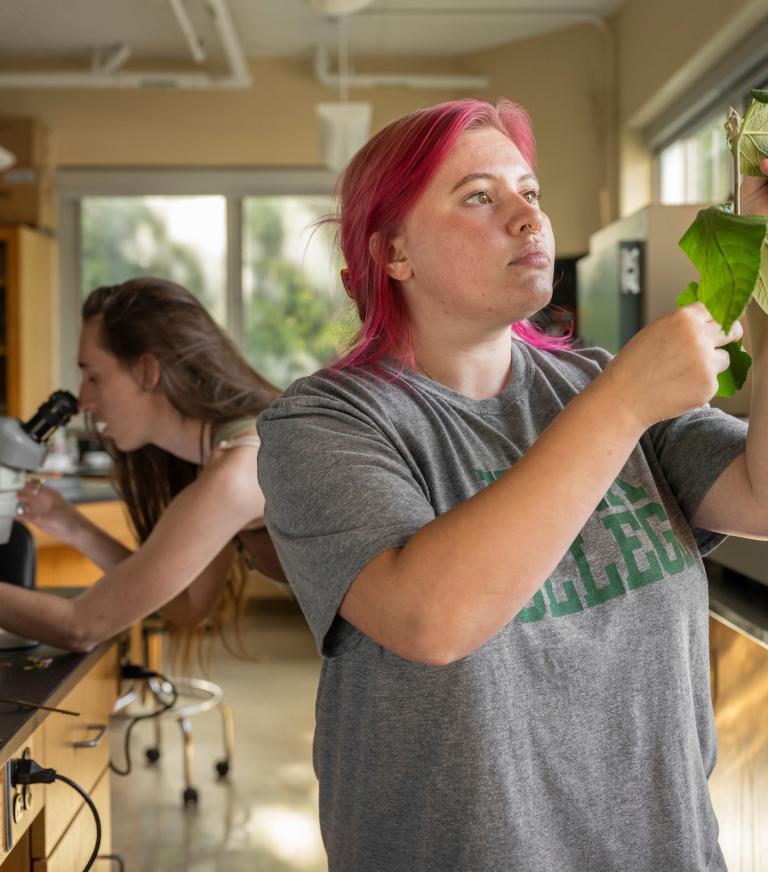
(29, 322)
(56, 830)
(739, 784)
(60, 565)
(76, 747)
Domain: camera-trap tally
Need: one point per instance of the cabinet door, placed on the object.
(29, 320)
(77, 748)
(739, 784)
(77, 843)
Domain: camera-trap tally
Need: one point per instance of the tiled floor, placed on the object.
(264, 817)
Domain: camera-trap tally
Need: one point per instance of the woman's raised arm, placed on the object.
(190, 535)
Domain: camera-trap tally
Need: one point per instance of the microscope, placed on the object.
(23, 447)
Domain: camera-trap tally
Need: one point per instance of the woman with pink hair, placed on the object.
(496, 537)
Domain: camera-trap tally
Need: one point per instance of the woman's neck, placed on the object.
(186, 438)
(477, 369)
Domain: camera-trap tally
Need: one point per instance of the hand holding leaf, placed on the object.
(730, 249)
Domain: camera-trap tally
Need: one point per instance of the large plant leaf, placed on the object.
(753, 136)
(689, 295)
(733, 378)
(761, 287)
(726, 249)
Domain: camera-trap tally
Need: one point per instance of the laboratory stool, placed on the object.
(195, 696)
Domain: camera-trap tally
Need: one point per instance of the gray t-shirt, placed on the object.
(580, 737)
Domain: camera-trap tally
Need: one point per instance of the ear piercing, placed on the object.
(529, 228)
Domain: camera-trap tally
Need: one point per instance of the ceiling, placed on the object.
(69, 31)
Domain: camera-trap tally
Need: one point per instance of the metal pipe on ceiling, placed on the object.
(392, 80)
(196, 48)
(238, 75)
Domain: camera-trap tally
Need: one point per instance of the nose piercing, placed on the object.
(529, 228)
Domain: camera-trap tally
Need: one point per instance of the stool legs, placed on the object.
(190, 793)
(228, 731)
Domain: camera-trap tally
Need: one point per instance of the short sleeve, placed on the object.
(693, 450)
(337, 494)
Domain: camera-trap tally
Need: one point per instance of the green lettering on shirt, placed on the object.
(610, 499)
(628, 544)
(485, 475)
(535, 612)
(634, 494)
(672, 564)
(569, 605)
(594, 594)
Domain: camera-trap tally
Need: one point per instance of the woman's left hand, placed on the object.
(754, 192)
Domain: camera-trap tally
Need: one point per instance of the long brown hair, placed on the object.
(202, 373)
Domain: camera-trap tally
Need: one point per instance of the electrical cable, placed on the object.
(129, 670)
(27, 771)
(97, 819)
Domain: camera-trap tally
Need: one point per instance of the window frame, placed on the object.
(235, 185)
(727, 83)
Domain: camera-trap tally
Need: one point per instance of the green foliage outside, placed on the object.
(123, 238)
(296, 319)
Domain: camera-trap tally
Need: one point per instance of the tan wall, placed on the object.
(592, 157)
(663, 50)
(564, 81)
(273, 124)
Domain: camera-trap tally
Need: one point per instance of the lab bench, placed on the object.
(49, 828)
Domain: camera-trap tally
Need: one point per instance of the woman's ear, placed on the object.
(398, 265)
(147, 371)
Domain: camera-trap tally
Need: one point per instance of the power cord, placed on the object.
(26, 771)
(130, 670)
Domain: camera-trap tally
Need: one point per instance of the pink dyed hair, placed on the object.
(378, 189)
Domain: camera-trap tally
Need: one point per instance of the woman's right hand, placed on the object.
(671, 365)
(48, 510)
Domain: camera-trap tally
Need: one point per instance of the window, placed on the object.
(692, 159)
(697, 168)
(293, 305)
(250, 244)
(179, 238)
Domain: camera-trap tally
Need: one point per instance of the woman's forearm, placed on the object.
(496, 549)
(42, 616)
(96, 544)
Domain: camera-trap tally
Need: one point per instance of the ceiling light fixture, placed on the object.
(344, 127)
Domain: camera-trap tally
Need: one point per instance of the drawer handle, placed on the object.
(101, 729)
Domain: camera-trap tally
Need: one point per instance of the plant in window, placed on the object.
(729, 249)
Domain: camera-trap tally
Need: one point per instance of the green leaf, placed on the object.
(733, 378)
(689, 295)
(726, 249)
(761, 287)
(753, 137)
(760, 96)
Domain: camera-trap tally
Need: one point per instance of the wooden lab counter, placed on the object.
(738, 634)
(49, 828)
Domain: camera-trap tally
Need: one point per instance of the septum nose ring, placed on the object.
(529, 228)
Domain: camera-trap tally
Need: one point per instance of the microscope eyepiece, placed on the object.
(53, 413)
